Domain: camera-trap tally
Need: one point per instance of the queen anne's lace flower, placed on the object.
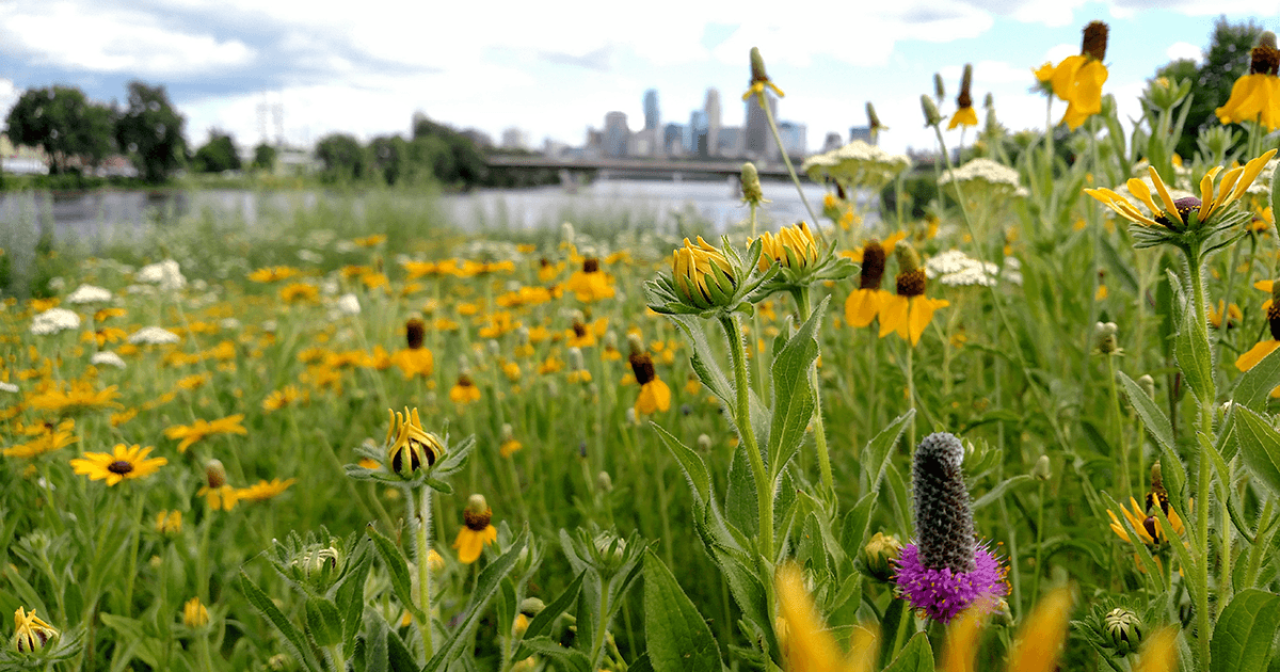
(167, 274)
(53, 321)
(88, 294)
(107, 358)
(153, 336)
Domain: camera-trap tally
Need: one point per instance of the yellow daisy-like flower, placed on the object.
(30, 634)
(263, 490)
(1232, 313)
(794, 247)
(654, 394)
(48, 438)
(124, 462)
(194, 614)
(701, 275)
(285, 396)
(273, 273)
(590, 284)
(965, 114)
(476, 530)
(464, 391)
(1144, 523)
(1040, 639)
(1078, 79)
(1174, 215)
(409, 446)
(190, 434)
(223, 497)
(908, 312)
(1256, 96)
(864, 304)
(760, 79)
(169, 523)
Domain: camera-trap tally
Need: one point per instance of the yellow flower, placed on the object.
(169, 523)
(370, 241)
(414, 360)
(1040, 638)
(476, 530)
(273, 273)
(30, 634)
(464, 391)
(654, 394)
(1146, 525)
(794, 247)
(194, 614)
(1256, 96)
(223, 497)
(701, 275)
(190, 434)
(760, 79)
(509, 447)
(409, 446)
(590, 284)
(1078, 79)
(285, 396)
(124, 462)
(962, 640)
(909, 311)
(1160, 653)
(864, 304)
(807, 646)
(262, 490)
(78, 396)
(299, 291)
(1174, 215)
(48, 438)
(965, 115)
(1233, 315)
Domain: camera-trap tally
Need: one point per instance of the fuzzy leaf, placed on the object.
(793, 393)
(1260, 446)
(1242, 638)
(677, 635)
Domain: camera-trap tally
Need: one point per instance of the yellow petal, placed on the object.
(1171, 210)
(1040, 639)
(1206, 193)
(893, 315)
(861, 307)
(1256, 354)
(1160, 652)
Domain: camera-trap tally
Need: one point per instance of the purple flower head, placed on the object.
(945, 570)
(942, 593)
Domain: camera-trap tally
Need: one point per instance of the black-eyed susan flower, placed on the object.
(590, 284)
(864, 303)
(1265, 347)
(169, 523)
(415, 359)
(264, 490)
(1142, 517)
(807, 645)
(794, 248)
(1185, 214)
(760, 79)
(190, 434)
(909, 311)
(122, 463)
(30, 633)
(1078, 79)
(476, 530)
(1256, 96)
(194, 614)
(78, 396)
(409, 446)
(509, 444)
(965, 115)
(654, 395)
(47, 437)
(1221, 311)
(288, 395)
(464, 391)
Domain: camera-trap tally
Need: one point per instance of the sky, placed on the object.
(554, 68)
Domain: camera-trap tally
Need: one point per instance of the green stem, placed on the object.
(911, 395)
(1035, 580)
(1115, 410)
(1204, 628)
(777, 137)
(742, 418)
(139, 500)
(422, 541)
(804, 302)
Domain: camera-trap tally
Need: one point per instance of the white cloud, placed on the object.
(9, 95)
(1184, 50)
(83, 37)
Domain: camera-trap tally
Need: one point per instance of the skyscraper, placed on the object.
(712, 109)
(759, 142)
(616, 134)
(652, 119)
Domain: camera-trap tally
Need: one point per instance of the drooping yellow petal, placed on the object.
(1170, 209)
(1160, 652)
(1064, 76)
(862, 306)
(1264, 285)
(919, 316)
(893, 315)
(809, 647)
(1256, 354)
(965, 116)
(1207, 205)
(1139, 189)
(1251, 171)
(1040, 639)
(962, 641)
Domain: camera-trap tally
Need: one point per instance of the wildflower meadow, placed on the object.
(1024, 423)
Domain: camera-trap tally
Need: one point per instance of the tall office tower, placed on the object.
(712, 108)
(794, 137)
(652, 119)
(759, 142)
(616, 134)
(696, 143)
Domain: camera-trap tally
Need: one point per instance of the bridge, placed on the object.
(608, 167)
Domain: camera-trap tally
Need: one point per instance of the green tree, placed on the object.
(467, 162)
(1226, 59)
(343, 157)
(66, 124)
(150, 130)
(218, 154)
(387, 156)
(264, 157)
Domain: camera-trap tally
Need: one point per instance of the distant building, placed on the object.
(514, 138)
(616, 134)
(712, 110)
(832, 142)
(480, 138)
(552, 149)
(759, 142)
(729, 142)
(673, 139)
(793, 137)
(22, 160)
(645, 143)
(862, 133)
(594, 146)
(652, 118)
(696, 135)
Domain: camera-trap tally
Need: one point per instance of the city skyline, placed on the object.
(552, 71)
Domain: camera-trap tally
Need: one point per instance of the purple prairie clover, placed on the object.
(945, 570)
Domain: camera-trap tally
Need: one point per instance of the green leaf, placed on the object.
(296, 642)
(348, 594)
(398, 568)
(749, 594)
(694, 468)
(740, 507)
(1000, 489)
(486, 586)
(323, 622)
(542, 623)
(1191, 349)
(1242, 638)
(916, 656)
(1154, 419)
(1260, 447)
(793, 394)
(875, 457)
(677, 635)
(375, 652)
(570, 659)
(1255, 385)
(703, 358)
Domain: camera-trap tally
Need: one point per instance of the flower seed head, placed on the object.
(1264, 57)
(215, 474)
(1095, 41)
(944, 523)
(965, 99)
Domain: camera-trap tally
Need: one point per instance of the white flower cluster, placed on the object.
(8, 387)
(984, 170)
(347, 305)
(165, 273)
(956, 269)
(153, 336)
(53, 321)
(88, 294)
(107, 358)
(857, 163)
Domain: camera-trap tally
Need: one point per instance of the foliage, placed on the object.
(217, 155)
(264, 157)
(66, 124)
(150, 129)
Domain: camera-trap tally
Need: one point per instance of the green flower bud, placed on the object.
(1148, 385)
(880, 555)
(1124, 628)
(750, 180)
(1104, 338)
(931, 115)
(1042, 471)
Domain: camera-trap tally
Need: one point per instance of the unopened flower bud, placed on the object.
(531, 606)
(1042, 471)
(939, 88)
(215, 474)
(30, 634)
(758, 73)
(704, 443)
(194, 614)
(1148, 385)
(751, 191)
(1125, 630)
(932, 117)
(880, 555)
(873, 120)
(604, 482)
(1104, 337)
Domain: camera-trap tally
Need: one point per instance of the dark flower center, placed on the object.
(911, 283)
(477, 521)
(642, 366)
(121, 467)
(1095, 41)
(415, 331)
(1184, 206)
(590, 265)
(1264, 60)
(872, 266)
